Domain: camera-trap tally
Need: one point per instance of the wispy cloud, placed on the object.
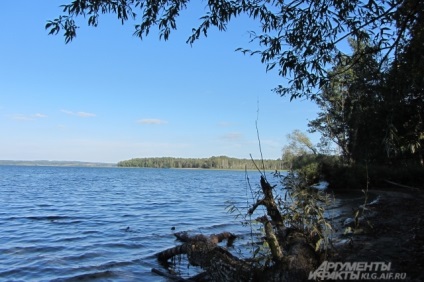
(151, 121)
(78, 114)
(232, 136)
(21, 117)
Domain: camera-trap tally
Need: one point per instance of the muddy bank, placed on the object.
(390, 230)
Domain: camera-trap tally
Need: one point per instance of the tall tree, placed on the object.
(405, 89)
(299, 37)
(375, 116)
(350, 104)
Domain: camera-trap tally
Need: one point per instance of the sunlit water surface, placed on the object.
(106, 224)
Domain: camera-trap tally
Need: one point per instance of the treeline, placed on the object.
(221, 162)
(375, 115)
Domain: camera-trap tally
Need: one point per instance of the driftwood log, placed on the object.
(219, 264)
(292, 255)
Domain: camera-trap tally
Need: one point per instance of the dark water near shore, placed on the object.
(106, 224)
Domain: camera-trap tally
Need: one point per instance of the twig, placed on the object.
(253, 161)
(259, 141)
(401, 185)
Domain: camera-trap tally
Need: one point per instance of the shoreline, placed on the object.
(391, 231)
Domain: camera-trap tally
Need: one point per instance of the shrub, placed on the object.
(376, 176)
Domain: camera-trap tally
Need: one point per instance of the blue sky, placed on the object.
(108, 96)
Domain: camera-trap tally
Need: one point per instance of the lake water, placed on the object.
(106, 224)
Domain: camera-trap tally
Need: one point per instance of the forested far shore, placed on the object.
(221, 162)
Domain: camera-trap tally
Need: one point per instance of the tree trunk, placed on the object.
(203, 251)
(293, 257)
(221, 265)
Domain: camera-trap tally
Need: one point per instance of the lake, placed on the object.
(106, 224)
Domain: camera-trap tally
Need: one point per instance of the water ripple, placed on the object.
(104, 224)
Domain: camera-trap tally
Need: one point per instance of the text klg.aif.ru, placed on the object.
(355, 271)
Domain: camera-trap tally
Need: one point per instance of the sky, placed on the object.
(108, 96)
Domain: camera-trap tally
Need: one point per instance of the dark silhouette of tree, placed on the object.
(404, 94)
(375, 116)
(351, 104)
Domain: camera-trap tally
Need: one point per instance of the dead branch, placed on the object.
(402, 186)
(214, 238)
(269, 203)
(255, 206)
(292, 255)
(203, 251)
(190, 241)
(272, 240)
(164, 256)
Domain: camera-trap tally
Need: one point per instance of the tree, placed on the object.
(351, 104)
(298, 144)
(300, 37)
(374, 115)
(405, 93)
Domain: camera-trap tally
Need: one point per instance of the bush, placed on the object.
(358, 176)
(314, 167)
(310, 173)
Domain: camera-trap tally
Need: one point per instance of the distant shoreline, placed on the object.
(214, 162)
(106, 165)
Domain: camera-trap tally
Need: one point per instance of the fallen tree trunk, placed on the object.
(213, 240)
(292, 255)
(221, 265)
(204, 251)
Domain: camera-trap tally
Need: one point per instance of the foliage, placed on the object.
(310, 173)
(259, 250)
(341, 176)
(302, 157)
(301, 210)
(373, 116)
(372, 101)
(349, 103)
(299, 37)
(405, 94)
(314, 168)
(298, 145)
(305, 209)
(221, 162)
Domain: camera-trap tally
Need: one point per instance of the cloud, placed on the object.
(232, 136)
(78, 114)
(21, 117)
(151, 121)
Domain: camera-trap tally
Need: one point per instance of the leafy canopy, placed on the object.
(301, 38)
